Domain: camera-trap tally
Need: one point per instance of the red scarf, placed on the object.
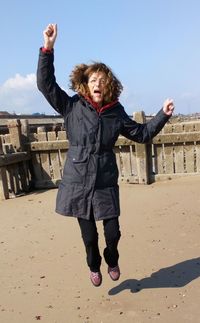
(97, 107)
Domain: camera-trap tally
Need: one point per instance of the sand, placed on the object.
(44, 276)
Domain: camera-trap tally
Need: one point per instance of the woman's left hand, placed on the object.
(168, 107)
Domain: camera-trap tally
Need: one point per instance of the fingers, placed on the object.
(169, 102)
(51, 30)
(171, 105)
(168, 106)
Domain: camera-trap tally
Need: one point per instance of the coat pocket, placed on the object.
(78, 154)
(76, 165)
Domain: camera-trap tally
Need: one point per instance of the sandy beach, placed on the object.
(44, 276)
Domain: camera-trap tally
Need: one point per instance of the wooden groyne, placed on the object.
(32, 154)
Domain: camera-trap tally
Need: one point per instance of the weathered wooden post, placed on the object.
(141, 153)
(14, 127)
(4, 192)
(24, 133)
(25, 168)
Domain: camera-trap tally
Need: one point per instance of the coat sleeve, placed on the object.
(142, 133)
(46, 83)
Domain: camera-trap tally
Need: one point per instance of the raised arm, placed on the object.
(144, 132)
(46, 80)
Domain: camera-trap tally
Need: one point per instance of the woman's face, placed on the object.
(96, 85)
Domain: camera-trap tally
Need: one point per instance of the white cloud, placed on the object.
(19, 82)
(19, 94)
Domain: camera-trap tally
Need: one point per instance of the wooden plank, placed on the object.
(34, 121)
(10, 177)
(133, 179)
(13, 158)
(17, 180)
(197, 157)
(54, 157)
(141, 159)
(1, 145)
(176, 137)
(150, 162)
(189, 158)
(44, 145)
(122, 141)
(14, 127)
(62, 135)
(7, 146)
(14, 184)
(164, 177)
(25, 131)
(179, 158)
(188, 127)
(24, 177)
(126, 161)
(7, 139)
(159, 139)
(125, 166)
(124, 156)
(169, 159)
(62, 152)
(44, 159)
(36, 167)
(168, 153)
(197, 126)
(4, 192)
(159, 159)
(134, 170)
(178, 127)
(168, 128)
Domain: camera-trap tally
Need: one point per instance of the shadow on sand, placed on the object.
(177, 275)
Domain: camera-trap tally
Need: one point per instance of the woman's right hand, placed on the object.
(50, 34)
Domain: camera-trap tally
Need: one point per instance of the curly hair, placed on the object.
(81, 73)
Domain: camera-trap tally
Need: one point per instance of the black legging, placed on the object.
(90, 239)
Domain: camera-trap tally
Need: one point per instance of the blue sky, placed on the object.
(153, 46)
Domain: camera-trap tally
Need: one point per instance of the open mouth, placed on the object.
(97, 92)
(97, 95)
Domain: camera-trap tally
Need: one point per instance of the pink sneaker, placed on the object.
(114, 272)
(96, 278)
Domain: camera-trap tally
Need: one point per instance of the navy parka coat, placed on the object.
(90, 176)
